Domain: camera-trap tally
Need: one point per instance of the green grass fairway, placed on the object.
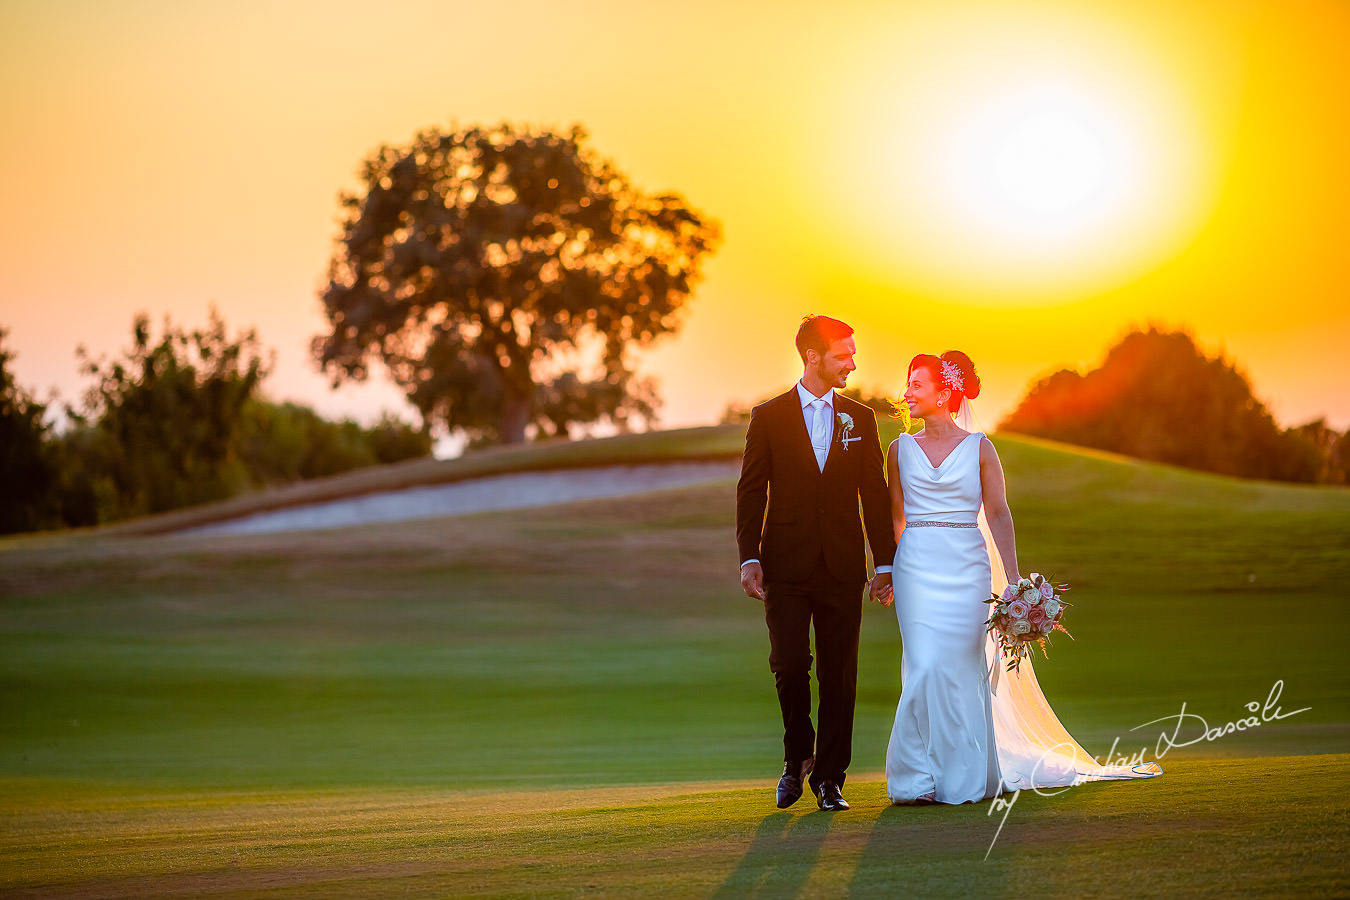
(1233, 828)
(576, 700)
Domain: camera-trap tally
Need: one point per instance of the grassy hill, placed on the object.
(339, 712)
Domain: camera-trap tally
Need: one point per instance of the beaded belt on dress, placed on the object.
(927, 523)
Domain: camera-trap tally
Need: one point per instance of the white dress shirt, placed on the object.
(808, 400)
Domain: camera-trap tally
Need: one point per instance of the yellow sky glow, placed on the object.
(1022, 180)
(1015, 158)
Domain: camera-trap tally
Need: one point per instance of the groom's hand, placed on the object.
(881, 590)
(752, 580)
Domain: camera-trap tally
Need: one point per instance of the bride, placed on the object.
(961, 735)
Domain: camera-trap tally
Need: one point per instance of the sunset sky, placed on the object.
(1022, 180)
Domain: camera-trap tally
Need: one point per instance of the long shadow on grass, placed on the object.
(880, 858)
(780, 859)
(907, 841)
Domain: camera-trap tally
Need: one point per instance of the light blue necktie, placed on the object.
(820, 432)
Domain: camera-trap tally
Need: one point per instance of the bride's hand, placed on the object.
(881, 589)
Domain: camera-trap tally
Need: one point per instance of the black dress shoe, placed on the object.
(790, 785)
(829, 796)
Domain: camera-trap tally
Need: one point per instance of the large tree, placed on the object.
(503, 275)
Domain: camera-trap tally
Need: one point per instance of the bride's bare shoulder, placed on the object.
(987, 451)
(893, 452)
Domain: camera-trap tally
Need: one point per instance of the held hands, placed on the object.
(881, 589)
(752, 580)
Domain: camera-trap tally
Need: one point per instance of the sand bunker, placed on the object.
(495, 492)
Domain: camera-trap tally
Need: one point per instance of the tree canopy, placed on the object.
(174, 420)
(27, 470)
(1156, 396)
(503, 275)
(179, 419)
(161, 422)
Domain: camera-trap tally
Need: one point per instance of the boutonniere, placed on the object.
(846, 426)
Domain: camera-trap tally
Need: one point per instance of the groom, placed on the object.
(810, 454)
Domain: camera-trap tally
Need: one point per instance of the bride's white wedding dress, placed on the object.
(956, 739)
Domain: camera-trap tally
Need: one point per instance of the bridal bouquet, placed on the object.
(1026, 614)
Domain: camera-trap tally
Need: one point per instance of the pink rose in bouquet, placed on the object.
(1026, 612)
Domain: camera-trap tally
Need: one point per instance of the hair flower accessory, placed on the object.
(951, 376)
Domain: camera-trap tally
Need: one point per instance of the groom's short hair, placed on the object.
(819, 332)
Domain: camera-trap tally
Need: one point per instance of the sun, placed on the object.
(1047, 167)
(1008, 159)
(1035, 164)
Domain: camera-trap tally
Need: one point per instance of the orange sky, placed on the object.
(1021, 180)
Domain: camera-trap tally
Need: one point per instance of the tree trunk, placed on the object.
(516, 413)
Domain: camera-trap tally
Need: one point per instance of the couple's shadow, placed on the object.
(786, 850)
(781, 858)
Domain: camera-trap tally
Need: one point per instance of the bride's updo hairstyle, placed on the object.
(949, 370)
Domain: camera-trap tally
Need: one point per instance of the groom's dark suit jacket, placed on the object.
(789, 513)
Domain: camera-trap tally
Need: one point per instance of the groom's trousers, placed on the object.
(791, 608)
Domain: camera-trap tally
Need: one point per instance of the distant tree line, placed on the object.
(175, 421)
(1158, 397)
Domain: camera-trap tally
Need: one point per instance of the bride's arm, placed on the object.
(996, 509)
(897, 492)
